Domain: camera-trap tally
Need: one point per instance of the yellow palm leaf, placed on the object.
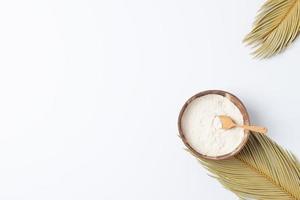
(262, 170)
(276, 27)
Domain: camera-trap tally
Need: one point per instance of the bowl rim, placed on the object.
(237, 102)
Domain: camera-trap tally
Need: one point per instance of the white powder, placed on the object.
(203, 129)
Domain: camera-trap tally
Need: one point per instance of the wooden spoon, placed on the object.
(228, 123)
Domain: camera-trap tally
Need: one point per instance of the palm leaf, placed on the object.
(262, 170)
(276, 27)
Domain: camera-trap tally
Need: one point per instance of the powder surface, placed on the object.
(203, 129)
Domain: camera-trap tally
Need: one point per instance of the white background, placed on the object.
(90, 92)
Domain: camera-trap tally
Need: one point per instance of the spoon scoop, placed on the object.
(228, 123)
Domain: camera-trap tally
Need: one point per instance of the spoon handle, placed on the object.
(257, 129)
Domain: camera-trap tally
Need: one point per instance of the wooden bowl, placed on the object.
(238, 103)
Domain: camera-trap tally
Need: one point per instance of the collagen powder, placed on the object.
(203, 129)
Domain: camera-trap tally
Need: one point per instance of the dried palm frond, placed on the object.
(262, 170)
(276, 27)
